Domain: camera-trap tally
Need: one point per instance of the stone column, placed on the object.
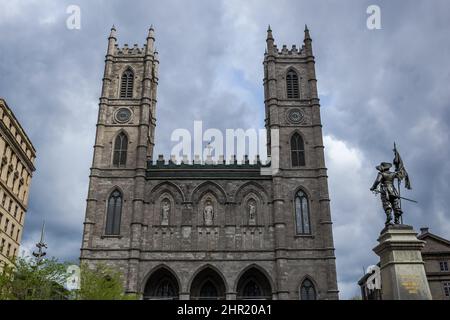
(402, 268)
(184, 296)
(231, 296)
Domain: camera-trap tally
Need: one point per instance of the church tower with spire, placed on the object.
(211, 230)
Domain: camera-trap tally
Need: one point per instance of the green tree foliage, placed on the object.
(31, 279)
(28, 279)
(101, 282)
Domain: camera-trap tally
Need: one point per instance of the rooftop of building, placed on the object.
(18, 125)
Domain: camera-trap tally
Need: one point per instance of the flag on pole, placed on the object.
(400, 168)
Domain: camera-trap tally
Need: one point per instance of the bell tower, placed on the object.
(300, 186)
(292, 103)
(127, 105)
(124, 144)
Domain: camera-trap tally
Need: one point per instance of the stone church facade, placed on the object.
(211, 230)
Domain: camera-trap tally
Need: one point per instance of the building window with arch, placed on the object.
(303, 225)
(307, 290)
(297, 150)
(114, 213)
(120, 150)
(126, 84)
(292, 88)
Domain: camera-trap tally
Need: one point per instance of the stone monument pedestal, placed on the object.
(401, 266)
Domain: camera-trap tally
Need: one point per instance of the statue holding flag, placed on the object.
(384, 185)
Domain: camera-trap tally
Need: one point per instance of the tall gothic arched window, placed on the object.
(292, 88)
(114, 213)
(126, 84)
(297, 150)
(307, 290)
(120, 150)
(303, 225)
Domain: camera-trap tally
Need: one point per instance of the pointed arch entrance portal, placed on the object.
(162, 285)
(254, 285)
(207, 285)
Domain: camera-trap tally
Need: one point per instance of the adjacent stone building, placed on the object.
(17, 156)
(436, 255)
(211, 230)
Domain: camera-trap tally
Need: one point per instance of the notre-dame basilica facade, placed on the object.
(211, 230)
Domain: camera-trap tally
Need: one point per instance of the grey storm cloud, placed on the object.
(376, 86)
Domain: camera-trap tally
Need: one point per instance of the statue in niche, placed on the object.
(165, 209)
(208, 213)
(252, 212)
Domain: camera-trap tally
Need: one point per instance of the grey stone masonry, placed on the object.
(225, 222)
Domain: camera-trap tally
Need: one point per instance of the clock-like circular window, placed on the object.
(295, 116)
(123, 115)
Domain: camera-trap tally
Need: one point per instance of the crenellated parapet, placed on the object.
(126, 50)
(197, 162)
(304, 51)
(294, 51)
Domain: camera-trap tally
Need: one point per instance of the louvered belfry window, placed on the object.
(126, 85)
(292, 85)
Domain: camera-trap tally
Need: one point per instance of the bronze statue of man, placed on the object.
(384, 185)
(389, 195)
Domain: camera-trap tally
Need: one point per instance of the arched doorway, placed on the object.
(254, 285)
(207, 285)
(162, 285)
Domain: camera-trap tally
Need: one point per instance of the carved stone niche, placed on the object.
(186, 214)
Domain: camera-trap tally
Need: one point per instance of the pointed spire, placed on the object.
(269, 40)
(269, 33)
(151, 32)
(150, 39)
(41, 245)
(42, 231)
(112, 41)
(113, 32)
(307, 35)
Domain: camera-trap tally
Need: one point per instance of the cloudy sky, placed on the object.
(376, 86)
